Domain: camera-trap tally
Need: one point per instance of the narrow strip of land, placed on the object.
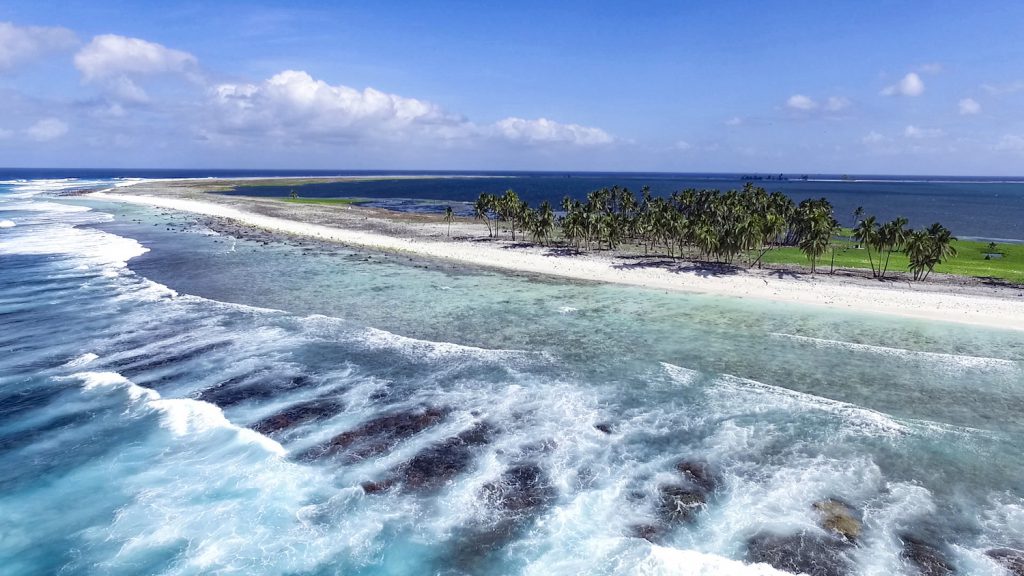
(427, 236)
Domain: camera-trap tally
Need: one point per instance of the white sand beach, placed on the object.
(1000, 308)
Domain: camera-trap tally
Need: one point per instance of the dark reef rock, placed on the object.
(433, 467)
(1010, 558)
(377, 435)
(838, 517)
(298, 414)
(929, 560)
(679, 503)
(805, 553)
(522, 489)
(236, 390)
(651, 532)
(603, 427)
(699, 474)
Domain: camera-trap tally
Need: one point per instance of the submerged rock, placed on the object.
(679, 503)
(804, 553)
(653, 533)
(838, 517)
(699, 474)
(433, 467)
(1010, 558)
(603, 427)
(377, 435)
(298, 414)
(929, 560)
(522, 489)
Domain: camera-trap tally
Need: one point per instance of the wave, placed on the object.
(792, 399)
(81, 360)
(7, 224)
(183, 417)
(958, 360)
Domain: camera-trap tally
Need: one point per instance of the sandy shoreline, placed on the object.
(369, 228)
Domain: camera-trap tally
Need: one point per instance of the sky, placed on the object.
(843, 87)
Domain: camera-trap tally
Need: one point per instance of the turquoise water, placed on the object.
(173, 401)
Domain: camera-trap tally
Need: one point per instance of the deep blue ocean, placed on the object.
(178, 402)
(972, 207)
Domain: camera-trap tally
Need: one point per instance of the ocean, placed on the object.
(174, 401)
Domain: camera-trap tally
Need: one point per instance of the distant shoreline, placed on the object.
(998, 307)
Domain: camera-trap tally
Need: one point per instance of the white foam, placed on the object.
(567, 310)
(957, 360)
(81, 360)
(681, 375)
(638, 557)
(183, 417)
(7, 224)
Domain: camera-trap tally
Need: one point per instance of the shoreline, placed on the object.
(423, 236)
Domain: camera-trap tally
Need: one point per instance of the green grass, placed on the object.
(970, 260)
(329, 201)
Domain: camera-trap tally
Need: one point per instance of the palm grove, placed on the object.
(733, 227)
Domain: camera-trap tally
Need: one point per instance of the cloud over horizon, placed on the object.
(294, 105)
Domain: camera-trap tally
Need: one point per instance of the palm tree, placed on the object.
(449, 215)
(543, 222)
(481, 208)
(891, 237)
(866, 233)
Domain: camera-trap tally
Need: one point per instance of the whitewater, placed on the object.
(173, 401)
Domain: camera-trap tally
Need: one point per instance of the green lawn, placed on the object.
(970, 260)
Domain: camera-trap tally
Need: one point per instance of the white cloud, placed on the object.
(969, 106)
(837, 103)
(47, 129)
(546, 131)
(114, 62)
(294, 105)
(734, 121)
(5, 133)
(19, 44)
(916, 132)
(909, 85)
(873, 138)
(1011, 143)
(801, 102)
(930, 68)
(682, 145)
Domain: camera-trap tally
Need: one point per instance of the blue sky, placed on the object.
(897, 87)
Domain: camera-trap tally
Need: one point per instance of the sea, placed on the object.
(177, 401)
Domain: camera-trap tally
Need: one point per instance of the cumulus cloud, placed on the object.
(47, 129)
(19, 44)
(909, 85)
(114, 62)
(543, 130)
(801, 102)
(294, 105)
(969, 106)
(916, 132)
